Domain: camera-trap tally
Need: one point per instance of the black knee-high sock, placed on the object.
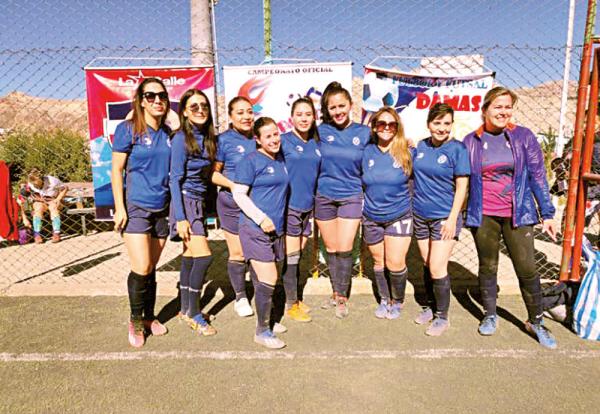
(150, 297)
(237, 277)
(332, 264)
(196, 282)
(488, 287)
(344, 270)
(263, 302)
(184, 283)
(398, 282)
(441, 290)
(531, 291)
(428, 282)
(136, 287)
(382, 283)
(290, 278)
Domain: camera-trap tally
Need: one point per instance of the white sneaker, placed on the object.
(558, 313)
(279, 328)
(269, 340)
(242, 308)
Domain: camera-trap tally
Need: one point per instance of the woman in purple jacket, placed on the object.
(508, 195)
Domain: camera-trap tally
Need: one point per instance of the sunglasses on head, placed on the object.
(151, 96)
(195, 108)
(381, 126)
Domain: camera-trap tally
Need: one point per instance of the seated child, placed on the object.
(45, 192)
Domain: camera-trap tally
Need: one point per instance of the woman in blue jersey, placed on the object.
(233, 145)
(142, 149)
(264, 175)
(338, 204)
(387, 212)
(302, 159)
(508, 195)
(441, 170)
(193, 151)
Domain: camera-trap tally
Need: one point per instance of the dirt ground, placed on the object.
(70, 354)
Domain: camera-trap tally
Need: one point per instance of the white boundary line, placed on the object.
(425, 354)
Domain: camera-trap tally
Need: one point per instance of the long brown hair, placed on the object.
(207, 129)
(333, 88)
(138, 121)
(399, 147)
(313, 132)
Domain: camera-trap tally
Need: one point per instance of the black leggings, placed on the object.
(519, 242)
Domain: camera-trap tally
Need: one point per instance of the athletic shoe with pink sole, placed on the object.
(154, 327)
(136, 333)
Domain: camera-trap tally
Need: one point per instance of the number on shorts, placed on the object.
(402, 225)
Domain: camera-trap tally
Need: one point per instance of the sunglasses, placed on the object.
(195, 108)
(151, 96)
(381, 126)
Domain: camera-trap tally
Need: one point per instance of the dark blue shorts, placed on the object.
(260, 246)
(298, 223)
(329, 209)
(374, 232)
(228, 212)
(193, 213)
(141, 221)
(431, 228)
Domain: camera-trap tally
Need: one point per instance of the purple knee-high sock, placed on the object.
(237, 277)
(184, 283)
(197, 276)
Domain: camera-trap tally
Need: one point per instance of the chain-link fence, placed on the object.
(43, 112)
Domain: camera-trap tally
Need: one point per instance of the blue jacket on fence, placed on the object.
(531, 198)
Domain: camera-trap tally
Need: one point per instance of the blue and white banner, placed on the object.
(412, 95)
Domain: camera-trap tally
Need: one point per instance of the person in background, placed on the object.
(302, 160)
(45, 193)
(387, 212)
(441, 174)
(508, 195)
(193, 152)
(142, 150)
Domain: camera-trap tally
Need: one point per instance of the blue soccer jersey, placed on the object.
(147, 170)
(268, 181)
(387, 195)
(302, 160)
(434, 172)
(341, 152)
(190, 173)
(231, 148)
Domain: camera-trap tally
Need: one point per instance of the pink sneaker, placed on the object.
(155, 327)
(136, 333)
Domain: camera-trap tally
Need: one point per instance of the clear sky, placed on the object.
(44, 44)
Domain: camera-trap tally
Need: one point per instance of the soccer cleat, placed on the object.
(38, 239)
(425, 316)
(437, 327)
(279, 328)
(543, 335)
(136, 333)
(330, 302)
(154, 327)
(182, 317)
(269, 340)
(382, 310)
(242, 308)
(488, 325)
(296, 313)
(305, 308)
(55, 237)
(395, 310)
(341, 307)
(199, 324)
